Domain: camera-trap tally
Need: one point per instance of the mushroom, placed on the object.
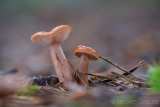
(85, 54)
(53, 40)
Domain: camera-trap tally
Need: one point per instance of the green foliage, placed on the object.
(30, 90)
(155, 77)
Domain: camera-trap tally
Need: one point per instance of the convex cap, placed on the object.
(92, 54)
(56, 35)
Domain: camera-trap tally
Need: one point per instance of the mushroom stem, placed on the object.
(61, 65)
(83, 67)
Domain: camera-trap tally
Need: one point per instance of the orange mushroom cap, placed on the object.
(56, 35)
(92, 54)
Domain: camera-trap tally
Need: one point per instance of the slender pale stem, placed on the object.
(83, 67)
(77, 73)
(61, 65)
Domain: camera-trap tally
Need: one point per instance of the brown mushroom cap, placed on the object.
(92, 54)
(56, 35)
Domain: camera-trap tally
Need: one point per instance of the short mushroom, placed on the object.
(53, 40)
(85, 54)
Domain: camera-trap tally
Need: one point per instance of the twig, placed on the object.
(117, 84)
(99, 76)
(135, 68)
(55, 89)
(62, 89)
(131, 81)
(90, 81)
(60, 83)
(109, 83)
(114, 64)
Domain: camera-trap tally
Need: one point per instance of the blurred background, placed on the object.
(123, 31)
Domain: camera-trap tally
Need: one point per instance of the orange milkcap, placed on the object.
(56, 35)
(92, 54)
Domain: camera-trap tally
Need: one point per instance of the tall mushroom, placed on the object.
(85, 54)
(53, 40)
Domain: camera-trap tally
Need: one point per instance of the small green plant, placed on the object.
(155, 77)
(30, 90)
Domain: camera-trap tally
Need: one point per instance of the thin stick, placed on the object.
(58, 90)
(109, 83)
(131, 81)
(99, 76)
(135, 68)
(122, 69)
(58, 84)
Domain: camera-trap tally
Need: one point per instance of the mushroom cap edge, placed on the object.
(81, 49)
